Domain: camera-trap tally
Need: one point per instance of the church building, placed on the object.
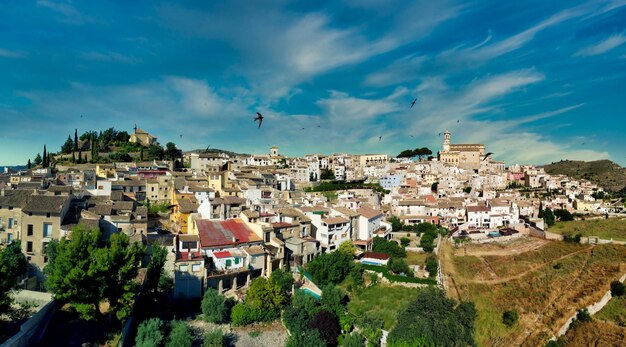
(466, 156)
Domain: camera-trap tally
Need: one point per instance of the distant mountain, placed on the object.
(215, 150)
(12, 168)
(604, 173)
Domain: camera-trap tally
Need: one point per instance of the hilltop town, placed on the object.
(228, 219)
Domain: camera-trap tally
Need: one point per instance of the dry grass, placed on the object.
(416, 258)
(595, 333)
(614, 311)
(545, 294)
(612, 228)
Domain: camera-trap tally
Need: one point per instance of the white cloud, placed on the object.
(68, 13)
(602, 47)
(109, 57)
(401, 70)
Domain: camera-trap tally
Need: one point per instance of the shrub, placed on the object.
(391, 248)
(214, 306)
(243, 314)
(509, 318)
(284, 279)
(180, 336)
(353, 340)
(309, 339)
(332, 299)
(427, 243)
(397, 265)
(326, 323)
(572, 238)
(356, 274)
(266, 298)
(404, 242)
(330, 268)
(214, 338)
(432, 266)
(297, 315)
(617, 288)
(583, 315)
(149, 333)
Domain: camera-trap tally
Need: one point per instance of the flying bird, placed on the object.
(207, 149)
(413, 103)
(487, 155)
(302, 129)
(319, 126)
(181, 136)
(457, 120)
(259, 118)
(440, 134)
(411, 135)
(380, 138)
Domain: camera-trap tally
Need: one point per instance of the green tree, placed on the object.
(407, 153)
(243, 314)
(180, 336)
(328, 326)
(149, 333)
(284, 279)
(306, 339)
(12, 266)
(548, 217)
(45, 157)
(396, 223)
(37, 160)
(28, 164)
(510, 317)
(432, 265)
(388, 247)
(85, 271)
(266, 297)
(327, 174)
(332, 299)
(422, 318)
(156, 152)
(171, 152)
(67, 146)
(214, 307)
(405, 241)
(398, 265)
(299, 313)
(563, 215)
(141, 154)
(75, 140)
(353, 340)
(617, 288)
(434, 186)
(347, 247)
(330, 267)
(155, 268)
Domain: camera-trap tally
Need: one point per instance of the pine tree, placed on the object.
(38, 159)
(45, 157)
(75, 140)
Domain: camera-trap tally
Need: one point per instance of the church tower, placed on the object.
(273, 151)
(446, 141)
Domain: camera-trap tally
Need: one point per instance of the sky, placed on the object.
(535, 81)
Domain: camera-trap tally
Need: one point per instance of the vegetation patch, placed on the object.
(612, 228)
(382, 302)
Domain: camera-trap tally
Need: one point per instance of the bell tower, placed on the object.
(446, 141)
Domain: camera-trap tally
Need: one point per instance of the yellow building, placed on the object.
(184, 204)
(466, 156)
(105, 170)
(142, 137)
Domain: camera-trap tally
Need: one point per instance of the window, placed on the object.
(236, 261)
(10, 223)
(47, 230)
(228, 262)
(29, 230)
(189, 244)
(47, 215)
(183, 268)
(195, 267)
(29, 247)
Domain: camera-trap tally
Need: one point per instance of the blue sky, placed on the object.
(536, 81)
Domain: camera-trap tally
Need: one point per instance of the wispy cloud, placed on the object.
(109, 57)
(5, 53)
(67, 13)
(401, 70)
(602, 47)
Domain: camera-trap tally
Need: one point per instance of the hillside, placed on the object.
(604, 173)
(216, 150)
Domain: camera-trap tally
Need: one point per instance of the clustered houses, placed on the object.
(236, 217)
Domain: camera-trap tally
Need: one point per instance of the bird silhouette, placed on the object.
(487, 155)
(259, 118)
(411, 135)
(457, 120)
(319, 126)
(380, 138)
(181, 136)
(207, 149)
(302, 129)
(413, 103)
(439, 134)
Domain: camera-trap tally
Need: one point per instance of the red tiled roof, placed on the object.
(224, 232)
(369, 212)
(375, 255)
(281, 225)
(223, 254)
(183, 256)
(480, 208)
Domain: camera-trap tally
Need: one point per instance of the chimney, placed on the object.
(234, 239)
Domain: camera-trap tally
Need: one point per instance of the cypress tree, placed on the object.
(80, 155)
(75, 140)
(73, 158)
(45, 157)
(28, 165)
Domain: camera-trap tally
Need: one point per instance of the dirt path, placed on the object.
(522, 274)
